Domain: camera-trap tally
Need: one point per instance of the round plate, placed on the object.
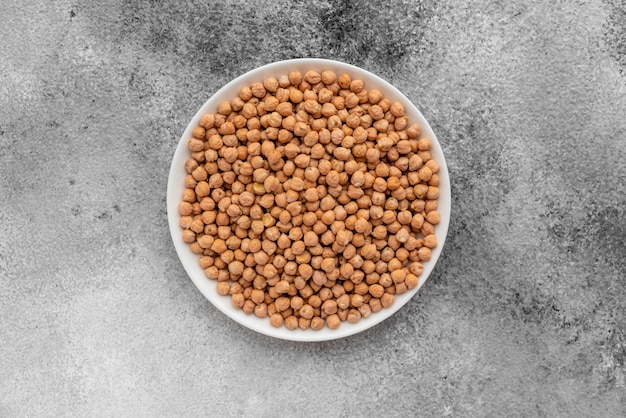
(176, 186)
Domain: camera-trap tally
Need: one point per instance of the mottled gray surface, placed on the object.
(524, 315)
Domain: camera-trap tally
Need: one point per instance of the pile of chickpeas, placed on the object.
(310, 200)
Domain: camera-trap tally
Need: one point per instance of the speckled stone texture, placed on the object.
(524, 315)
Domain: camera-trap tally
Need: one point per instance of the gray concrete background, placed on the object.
(524, 315)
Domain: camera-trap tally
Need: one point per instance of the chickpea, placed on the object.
(433, 217)
(376, 290)
(282, 304)
(237, 300)
(282, 287)
(295, 78)
(417, 221)
(375, 305)
(260, 310)
(328, 77)
(432, 193)
(291, 322)
(342, 153)
(356, 86)
(223, 288)
(311, 239)
(430, 241)
(224, 108)
(276, 320)
(333, 321)
(306, 311)
(424, 253)
(296, 96)
(353, 316)
(397, 109)
(376, 112)
(304, 323)
(356, 300)
(411, 281)
(402, 235)
(317, 323)
(368, 251)
(387, 300)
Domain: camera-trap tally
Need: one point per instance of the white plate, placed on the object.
(177, 176)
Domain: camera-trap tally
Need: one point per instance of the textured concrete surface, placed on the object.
(524, 315)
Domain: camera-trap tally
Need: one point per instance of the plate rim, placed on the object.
(196, 274)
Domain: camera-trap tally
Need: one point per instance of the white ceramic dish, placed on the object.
(176, 185)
